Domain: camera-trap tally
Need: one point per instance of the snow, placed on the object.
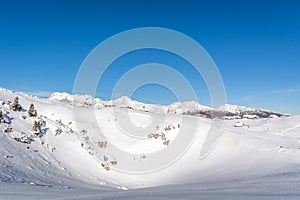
(235, 108)
(185, 107)
(180, 108)
(252, 116)
(255, 158)
(239, 124)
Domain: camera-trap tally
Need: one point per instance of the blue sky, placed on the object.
(255, 45)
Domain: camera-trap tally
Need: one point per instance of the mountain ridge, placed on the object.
(226, 111)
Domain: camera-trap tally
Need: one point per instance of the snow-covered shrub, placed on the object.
(4, 118)
(167, 142)
(168, 128)
(6, 104)
(41, 121)
(105, 166)
(59, 122)
(163, 136)
(25, 139)
(58, 131)
(61, 128)
(154, 135)
(239, 124)
(37, 127)
(105, 158)
(108, 162)
(114, 162)
(32, 111)
(16, 106)
(102, 145)
(7, 129)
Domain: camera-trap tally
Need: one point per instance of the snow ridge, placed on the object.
(226, 111)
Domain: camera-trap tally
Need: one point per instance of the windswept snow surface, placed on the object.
(71, 158)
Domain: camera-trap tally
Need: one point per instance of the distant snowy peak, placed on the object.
(82, 100)
(186, 108)
(61, 96)
(78, 100)
(234, 112)
(122, 101)
(126, 102)
(182, 108)
(234, 108)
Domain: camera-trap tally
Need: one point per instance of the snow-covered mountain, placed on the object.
(181, 108)
(65, 152)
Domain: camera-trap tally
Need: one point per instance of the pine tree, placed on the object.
(32, 111)
(15, 106)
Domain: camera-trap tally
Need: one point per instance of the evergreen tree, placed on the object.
(32, 111)
(16, 106)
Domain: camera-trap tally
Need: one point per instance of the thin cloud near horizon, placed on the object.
(287, 91)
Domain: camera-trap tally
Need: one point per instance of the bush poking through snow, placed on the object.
(107, 163)
(32, 111)
(102, 145)
(105, 158)
(1, 117)
(25, 140)
(4, 118)
(167, 142)
(7, 129)
(37, 127)
(114, 162)
(62, 128)
(105, 166)
(168, 128)
(163, 136)
(58, 131)
(16, 106)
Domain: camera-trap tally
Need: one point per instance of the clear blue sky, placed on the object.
(255, 44)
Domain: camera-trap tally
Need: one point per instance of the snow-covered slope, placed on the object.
(71, 156)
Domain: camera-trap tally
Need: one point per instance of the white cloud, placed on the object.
(287, 91)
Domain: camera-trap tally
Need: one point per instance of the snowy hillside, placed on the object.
(69, 152)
